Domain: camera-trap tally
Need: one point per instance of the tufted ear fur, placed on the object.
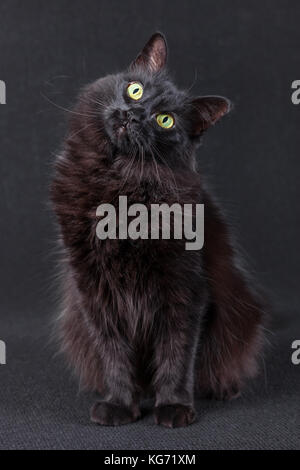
(154, 55)
(206, 111)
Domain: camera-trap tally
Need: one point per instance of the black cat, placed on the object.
(148, 315)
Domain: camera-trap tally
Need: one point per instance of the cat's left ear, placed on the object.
(206, 111)
(154, 55)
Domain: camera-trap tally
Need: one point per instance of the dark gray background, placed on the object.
(246, 50)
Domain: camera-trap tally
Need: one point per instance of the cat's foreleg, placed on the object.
(119, 399)
(175, 351)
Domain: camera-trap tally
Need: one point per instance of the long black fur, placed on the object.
(148, 315)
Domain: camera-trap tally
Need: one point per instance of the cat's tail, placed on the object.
(233, 332)
(230, 347)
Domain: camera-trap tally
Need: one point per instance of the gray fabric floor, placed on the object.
(40, 407)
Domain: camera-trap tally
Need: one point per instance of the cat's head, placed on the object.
(141, 110)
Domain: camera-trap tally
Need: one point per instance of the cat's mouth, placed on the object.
(122, 131)
(126, 136)
(123, 135)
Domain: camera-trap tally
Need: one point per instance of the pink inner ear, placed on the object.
(207, 111)
(154, 55)
(158, 55)
(222, 109)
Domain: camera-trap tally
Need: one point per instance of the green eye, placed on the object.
(165, 120)
(135, 90)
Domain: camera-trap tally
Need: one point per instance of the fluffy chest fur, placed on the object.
(131, 280)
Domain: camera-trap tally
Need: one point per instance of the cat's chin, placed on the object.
(124, 139)
(124, 144)
(119, 139)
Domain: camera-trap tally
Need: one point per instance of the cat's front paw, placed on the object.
(174, 416)
(109, 414)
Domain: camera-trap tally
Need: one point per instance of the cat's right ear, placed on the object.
(206, 111)
(154, 55)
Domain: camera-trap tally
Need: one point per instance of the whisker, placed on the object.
(80, 130)
(62, 108)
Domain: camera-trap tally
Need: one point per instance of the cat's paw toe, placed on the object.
(109, 414)
(174, 416)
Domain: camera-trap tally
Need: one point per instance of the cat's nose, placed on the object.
(127, 117)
